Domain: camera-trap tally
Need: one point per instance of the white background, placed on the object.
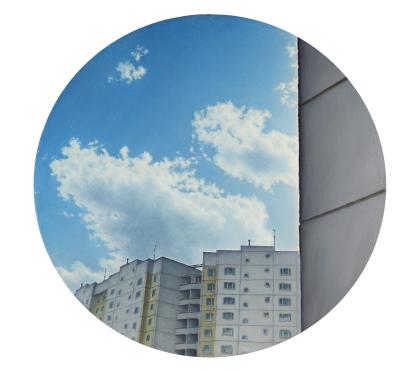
(44, 43)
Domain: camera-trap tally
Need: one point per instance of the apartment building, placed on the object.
(239, 301)
(250, 300)
(141, 301)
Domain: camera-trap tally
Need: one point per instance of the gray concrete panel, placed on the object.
(335, 248)
(316, 70)
(340, 158)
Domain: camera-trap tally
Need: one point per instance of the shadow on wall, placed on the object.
(342, 184)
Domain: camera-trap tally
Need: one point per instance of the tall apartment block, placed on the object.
(241, 301)
(250, 300)
(141, 301)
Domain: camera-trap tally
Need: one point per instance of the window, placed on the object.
(153, 292)
(119, 292)
(211, 287)
(228, 315)
(129, 297)
(244, 337)
(206, 349)
(122, 278)
(136, 310)
(151, 306)
(118, 304)
(267, 284)
(265, 332)
(207, 332)
(229, 271)
(229, 285)
(110, 305)
(101, 308)
(285, 271)
(149, 321)
(267, 299)
(147, 338)
(246, 289)
(139, 282)
(247, 260)
(134, 325)
(112, 291)
(209, 316)
(127, 311)
(210, 301)
(126, 326)
(130, 283)
(284, 317)
(109, 318)
(285, 334)
(228, 300)
(227, 331)
(285, 286)
(266, 315)
(285, 301)
(211, 272)
(87, 301)
(245, 321)
(246, 275)
(155, 278)
(267, 270)
(245, 304)
(267, 256)
(227, 349)
(137, 294)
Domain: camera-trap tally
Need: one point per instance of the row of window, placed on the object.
(283, 317)
(231, 300)
(229, 331)
(231, 271)
(231, 286)
(228, 349)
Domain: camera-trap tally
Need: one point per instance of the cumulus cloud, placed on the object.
(289, 89)
(132, 203)
(242, 146)
(131, 70)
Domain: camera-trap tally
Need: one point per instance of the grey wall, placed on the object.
(342, 184)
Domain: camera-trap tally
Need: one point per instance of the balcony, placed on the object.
(187, 301)
(184, 346)
(190, 286)
(187, 331)
(186, 315)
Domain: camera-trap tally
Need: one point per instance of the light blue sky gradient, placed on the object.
(192, 63)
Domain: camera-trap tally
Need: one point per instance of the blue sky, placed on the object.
(182, 134)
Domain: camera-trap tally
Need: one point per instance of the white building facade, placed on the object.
(250, 300)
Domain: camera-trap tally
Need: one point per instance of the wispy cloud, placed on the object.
(130, 70)
(289, 89)
(133, 203)
(243, 148)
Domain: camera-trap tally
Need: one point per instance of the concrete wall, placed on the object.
(342, 184)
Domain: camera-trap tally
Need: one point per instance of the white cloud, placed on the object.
(133, 203)
(289, 89)
(139, 52)
(67, 215)
(129, 72)
(243, 147)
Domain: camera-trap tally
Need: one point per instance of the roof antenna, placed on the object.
(154, 252)
(249, 242)
(274, 237)
(104, 276)
(127, 260)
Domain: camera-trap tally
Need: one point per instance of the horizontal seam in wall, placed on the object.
(344, 206)
(323, 91)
